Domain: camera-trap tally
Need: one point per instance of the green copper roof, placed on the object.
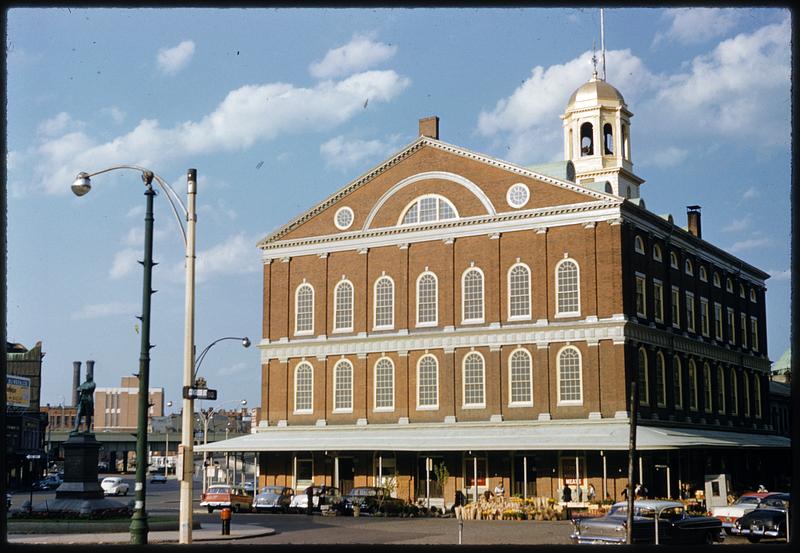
(563, 170)
(784, 362)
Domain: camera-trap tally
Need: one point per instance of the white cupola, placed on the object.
(597, 138)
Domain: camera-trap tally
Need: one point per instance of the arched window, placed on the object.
(688, 268)
(703, 274)
(426, 209)
(753, 296)
(520, 379)
(677, 382)
(428, 383)
(673, 260)
(304, 309)
(729, 285)
(570, 386)
(519, 292)
(741, 290)
(734, 392)
(638, 244)
(474, 381)
(343, 302)
(303, 388)
(567, 288)
(384, 385)
(746, 384)
(608, 140)
(587, 140)
(716, 280)
(472, 295)
(661, 380)
(692, 386)
(384, 302)
(427, 300)
(757, 393)
(720, 390)
(657, 252)
(343, 387)
(708, 395)
(644, 385)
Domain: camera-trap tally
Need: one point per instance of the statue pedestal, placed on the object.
(81, 453)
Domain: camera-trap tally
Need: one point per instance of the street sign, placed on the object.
(199, 393)
(33, 456)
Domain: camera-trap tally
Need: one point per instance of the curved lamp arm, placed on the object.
(82, 185)
(245, 342)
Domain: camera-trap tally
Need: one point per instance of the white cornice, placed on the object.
(484, 336)
(534, 219)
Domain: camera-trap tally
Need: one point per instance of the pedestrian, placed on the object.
(499, 490)
(567, 496)
(590, 492)
(762, 489)
(310, 496)
(625, 492)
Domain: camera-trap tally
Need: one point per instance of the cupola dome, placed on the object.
(595, 92)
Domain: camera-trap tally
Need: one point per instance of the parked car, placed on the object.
(49, 482)
(218, 496)
(102, 466)
(158, 479)
(768, 520)
(675, 526)
(114, 485)
(743, 505)
(371, 500)
(273, 498)
(249, 486)
(8, 501)
(324, 499)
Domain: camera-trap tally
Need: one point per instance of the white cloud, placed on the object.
(172, 60)
(750, 193)
(247, 114)
(524, 120)
(237, 255)
(135, 235)
(341, 153)
(666, 157)
(696, 25)
(57, 125)
(738, 225)
(778, 274)
(100, 310)
(219, 212)
(750, 244)
(116, 114)
(136, 211)
(125, 262)
(357, 55)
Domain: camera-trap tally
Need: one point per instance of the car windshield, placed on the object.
(773, 503)
(215, 489)
(364, 492)
(747, 500)
(272, 490)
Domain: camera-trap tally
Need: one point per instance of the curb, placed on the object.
(237, 533)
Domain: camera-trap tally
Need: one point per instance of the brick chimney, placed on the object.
(693, 215)
(76, 381)
(90, 368)
(429, 126)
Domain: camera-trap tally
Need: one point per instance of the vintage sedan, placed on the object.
(768, 520)
(669, 518)
(114, 485)
(324, 499)
(273, 498)
(743, 505)
(219, 496)
(370, 500)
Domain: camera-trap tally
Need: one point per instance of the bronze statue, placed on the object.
(85, 404)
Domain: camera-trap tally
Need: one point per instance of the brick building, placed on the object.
(491, 317)
(117, 409)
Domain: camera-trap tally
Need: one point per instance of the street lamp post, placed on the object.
(166, 443)
(207, 415)
(81, 186)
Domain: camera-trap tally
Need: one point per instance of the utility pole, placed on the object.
(631, 462)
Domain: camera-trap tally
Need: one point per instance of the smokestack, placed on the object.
(76, 381)
(429, 126)
(693, 215)
(90, 368)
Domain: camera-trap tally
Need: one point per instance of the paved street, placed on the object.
(302, 529)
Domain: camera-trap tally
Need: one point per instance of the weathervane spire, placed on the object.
(594, 60)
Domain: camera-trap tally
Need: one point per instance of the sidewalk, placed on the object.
(211, 532)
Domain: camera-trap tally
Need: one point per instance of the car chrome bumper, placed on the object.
(587, 540)
(755, 532)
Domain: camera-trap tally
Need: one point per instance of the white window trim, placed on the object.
(742, 293)
(419, 198)
(296, 309)
(464, 404)
(703, 273)
(695, 396)
(640, 277)
(645, 389)
(757, 397)
(705, 331)
(508, 284)
(475, 320)
(719, 324)
(716, 280)
(734, 380)
(336, 304)
(384, 409)
(690, 321)
(530, 379)
(352, 385)
(721, 390)
(753, 335)
(569, 402)
(577, 313)
(688, 267)
(657, 256)
(675, 323)
(743, 330)
(434, 322)
(658, 317)
(660, 355)
(674, 262)
(729, 285)
(375, 325)
(753, 297)
(708, 390)
(336, 218)
(296, 370)
(730, 319)
(638, 244)
(434, 407)
(508, 195)
(677, 373)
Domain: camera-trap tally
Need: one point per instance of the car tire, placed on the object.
(211, 509)
(754, 539)
(126, 492)
(709, 538)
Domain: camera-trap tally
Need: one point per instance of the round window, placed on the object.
(518, 195)
(344, 218)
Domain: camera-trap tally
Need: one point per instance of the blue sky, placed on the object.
(171, 89)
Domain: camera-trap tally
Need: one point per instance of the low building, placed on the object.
(117, 409)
